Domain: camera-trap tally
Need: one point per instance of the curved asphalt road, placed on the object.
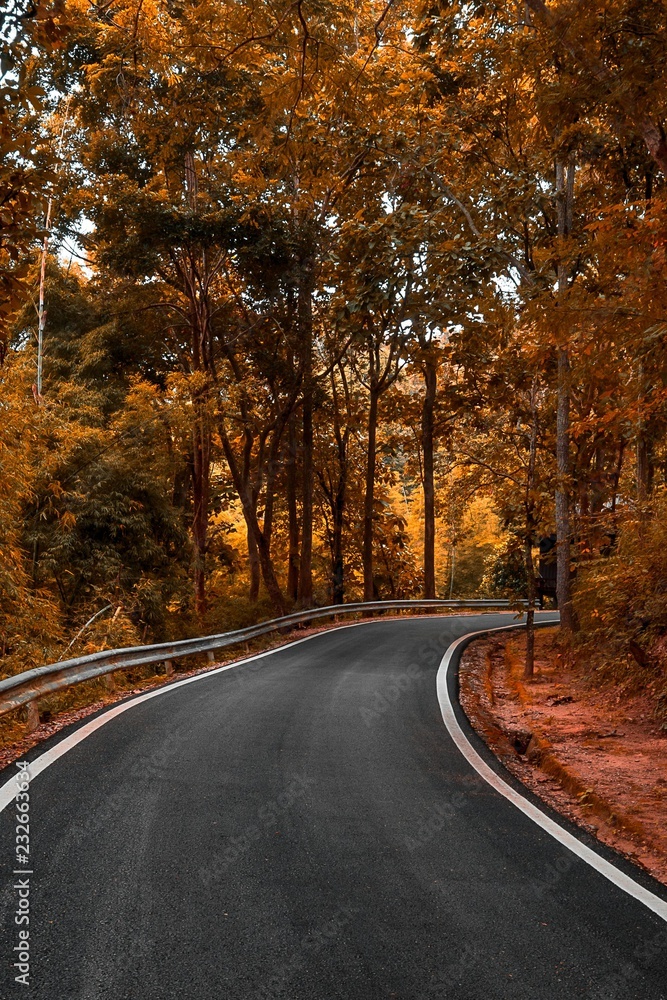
(303, 827)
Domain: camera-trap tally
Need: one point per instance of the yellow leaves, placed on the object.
(68, 520)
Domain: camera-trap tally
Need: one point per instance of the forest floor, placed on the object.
(599, 759)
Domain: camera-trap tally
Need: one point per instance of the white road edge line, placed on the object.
(600, 864)
(9, 789)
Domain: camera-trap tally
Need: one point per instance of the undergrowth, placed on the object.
(621, 606)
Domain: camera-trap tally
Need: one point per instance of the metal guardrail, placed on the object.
(26, 687)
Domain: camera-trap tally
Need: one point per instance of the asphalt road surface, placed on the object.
(302, 827)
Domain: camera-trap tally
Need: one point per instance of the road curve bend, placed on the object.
(304, 827)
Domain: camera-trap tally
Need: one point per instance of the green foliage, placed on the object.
(505, 575)
(89, 516)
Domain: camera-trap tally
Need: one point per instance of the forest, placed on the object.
(305, 302)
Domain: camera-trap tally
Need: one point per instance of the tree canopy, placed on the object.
(337, 302)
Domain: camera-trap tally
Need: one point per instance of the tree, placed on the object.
(27, 155)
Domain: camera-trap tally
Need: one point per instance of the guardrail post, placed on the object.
(210, 656)
(168, 667)
(33, 716)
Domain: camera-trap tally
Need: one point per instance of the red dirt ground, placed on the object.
(596, 758)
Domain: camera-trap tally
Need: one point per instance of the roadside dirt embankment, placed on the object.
(599, 759)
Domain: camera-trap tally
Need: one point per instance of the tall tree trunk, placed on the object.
(616, 479)
(270, 487)
(195, 280)
(565, 195)
(597, 496)
(305, 314)
(253, 565)
(337, 496)
(428, 409)
(643, 468)
(642, 448)
(338, 559)
(369, 497)
(35, 549)
(250, 516)
(306, 559)
(201, 470)
(563, 588)
(292, 515)
(529, 667)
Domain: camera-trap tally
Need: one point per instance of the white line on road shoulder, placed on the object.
(600, 864)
